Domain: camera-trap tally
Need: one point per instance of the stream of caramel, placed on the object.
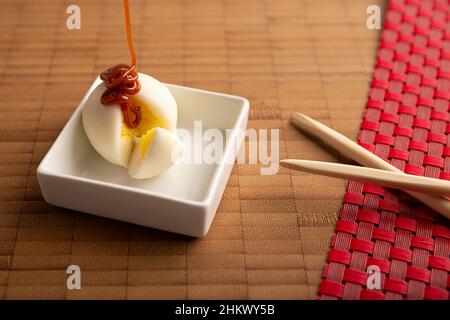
(121, 81)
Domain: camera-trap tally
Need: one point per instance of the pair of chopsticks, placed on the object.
(431, 192)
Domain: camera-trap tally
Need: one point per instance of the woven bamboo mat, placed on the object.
(271, 234)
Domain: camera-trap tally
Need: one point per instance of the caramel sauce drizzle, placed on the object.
(121, 81)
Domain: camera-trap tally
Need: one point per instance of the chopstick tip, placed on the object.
(287, 163)
(300, 120)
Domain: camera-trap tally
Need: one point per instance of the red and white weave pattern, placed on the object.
(406, 122)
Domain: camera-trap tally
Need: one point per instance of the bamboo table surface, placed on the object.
(271, 234)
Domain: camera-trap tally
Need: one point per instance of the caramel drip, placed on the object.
(122, 81)
(126, 8)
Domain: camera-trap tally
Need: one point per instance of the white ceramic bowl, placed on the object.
(184, 199)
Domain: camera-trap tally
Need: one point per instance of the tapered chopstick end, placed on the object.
(288, 163)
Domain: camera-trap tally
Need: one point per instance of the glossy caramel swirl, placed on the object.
(122, 81)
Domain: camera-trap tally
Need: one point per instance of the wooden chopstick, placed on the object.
(370, 175)
(364, 157)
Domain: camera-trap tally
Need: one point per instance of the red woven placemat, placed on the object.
(406, 122)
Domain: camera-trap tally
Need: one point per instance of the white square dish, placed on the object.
(183, 199)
